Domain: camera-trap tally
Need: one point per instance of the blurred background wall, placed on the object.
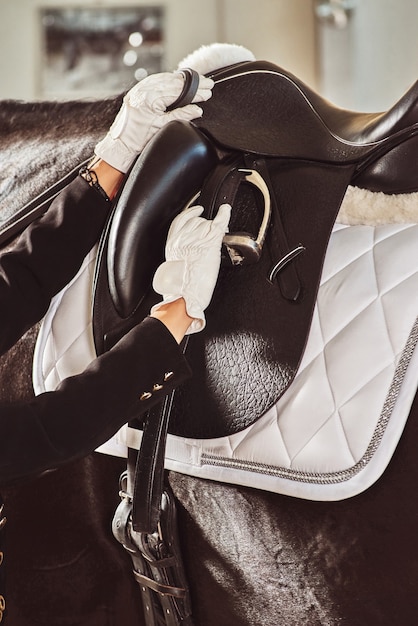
(279, 30)
(361, 54)
(368, 60)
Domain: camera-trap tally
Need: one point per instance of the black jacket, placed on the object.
(87, 409)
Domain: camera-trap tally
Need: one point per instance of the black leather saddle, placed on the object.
(283, 156)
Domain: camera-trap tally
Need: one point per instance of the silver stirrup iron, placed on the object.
(243, 248)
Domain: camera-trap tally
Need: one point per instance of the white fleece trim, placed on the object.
(209, 58)
(373, 208)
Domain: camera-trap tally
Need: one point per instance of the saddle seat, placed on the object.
(345, 126)
(287, 119)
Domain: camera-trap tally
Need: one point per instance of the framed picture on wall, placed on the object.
(99, 51)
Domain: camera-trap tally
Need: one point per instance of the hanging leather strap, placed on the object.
(277, 242)
(146, 468)
(148, 475)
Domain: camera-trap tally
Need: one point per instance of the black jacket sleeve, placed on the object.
(46, 256)
(87, 409)
(43, 260)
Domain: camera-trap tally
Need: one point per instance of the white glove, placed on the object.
(143, 113)
(193, 257)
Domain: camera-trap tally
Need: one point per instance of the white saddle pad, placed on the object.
(334, 431)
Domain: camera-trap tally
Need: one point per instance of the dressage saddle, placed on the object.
(283, 157)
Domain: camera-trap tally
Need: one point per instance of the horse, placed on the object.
(252, 557)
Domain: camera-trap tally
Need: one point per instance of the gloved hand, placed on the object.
(193, 257)
(143, 113)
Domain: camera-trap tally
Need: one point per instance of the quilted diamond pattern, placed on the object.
(319, 433)
(356, 322)
(65, 343)
(367, 305)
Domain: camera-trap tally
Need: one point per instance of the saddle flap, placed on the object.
(254, 340)
(165, 177)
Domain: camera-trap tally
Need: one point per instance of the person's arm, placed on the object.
(174, 316)
(46, 257)
(87, 409)
(109, 178)
(145, 365)
(50, 251)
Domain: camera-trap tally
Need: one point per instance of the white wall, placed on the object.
(279, 30)
(370, 64)
(282, 31)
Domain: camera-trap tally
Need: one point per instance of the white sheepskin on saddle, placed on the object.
(209, 58)
(373, 208)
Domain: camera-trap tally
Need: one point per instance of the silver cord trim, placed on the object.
(341, 475)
